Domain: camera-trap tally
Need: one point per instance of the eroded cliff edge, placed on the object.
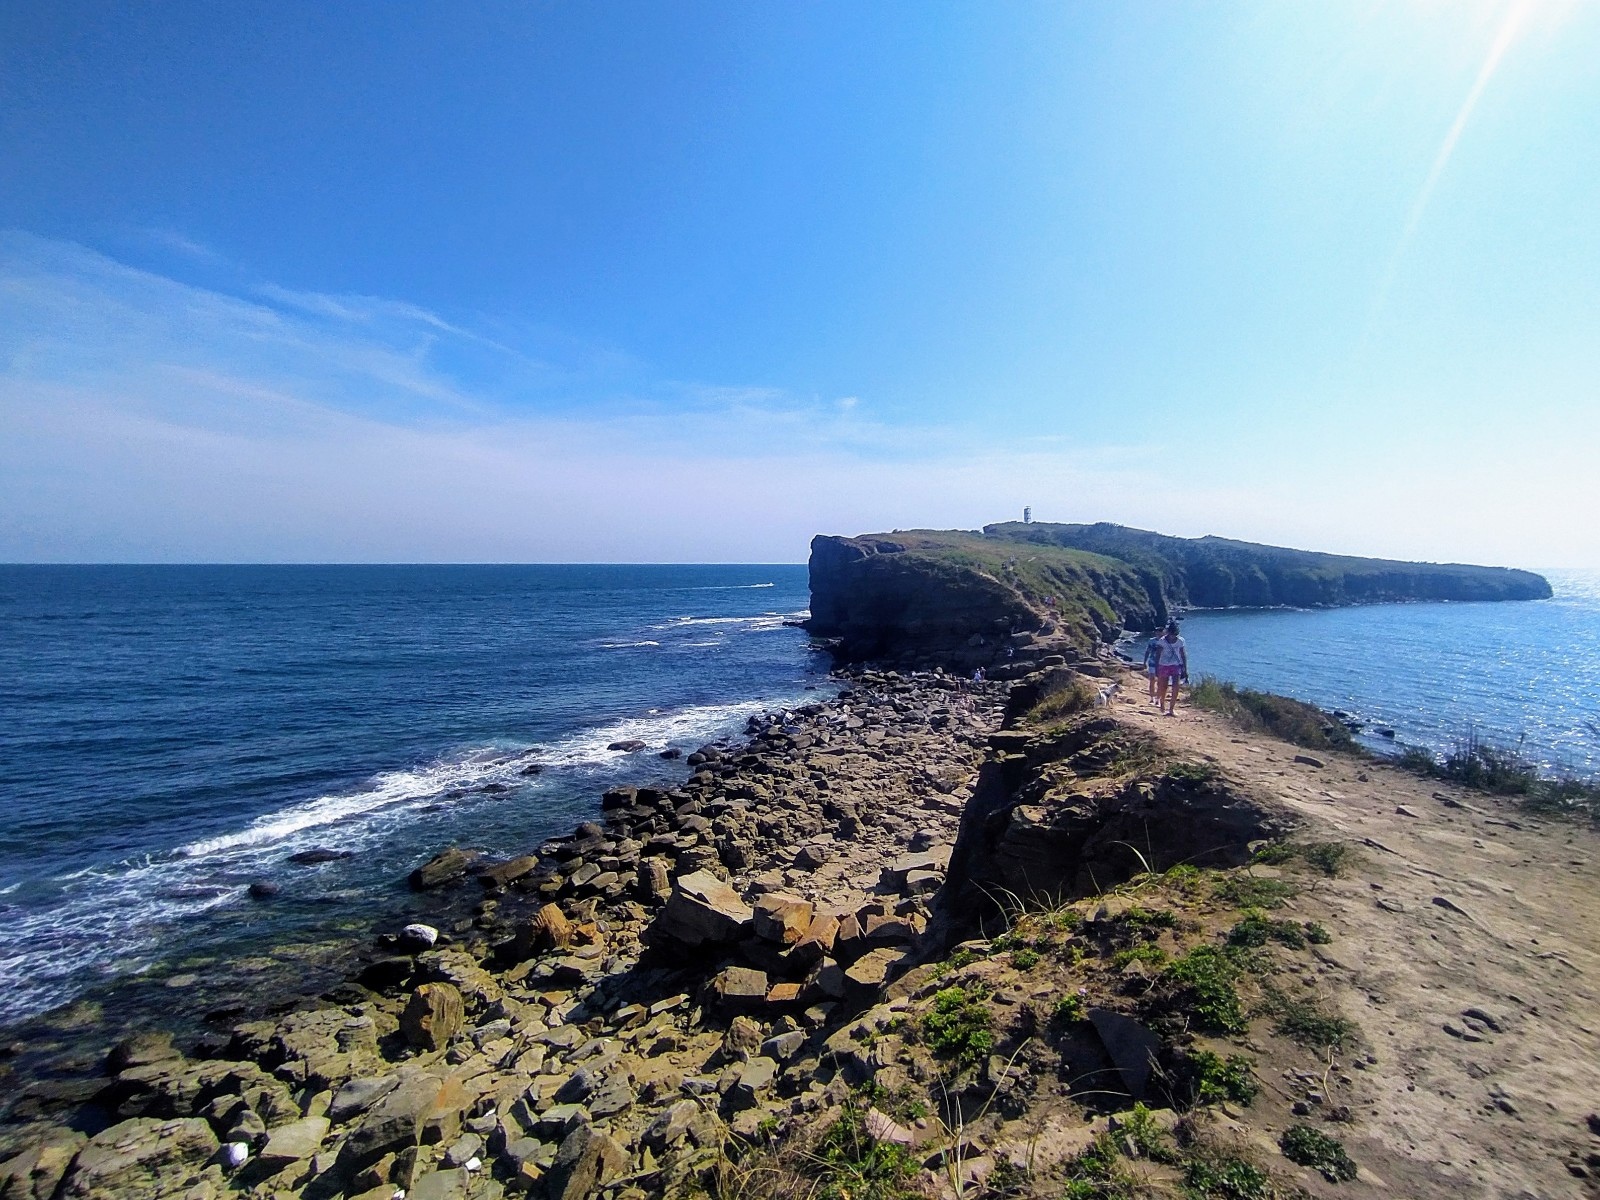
(959, 600)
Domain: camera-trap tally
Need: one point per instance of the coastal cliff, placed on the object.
(959, 600)
(1214, 572)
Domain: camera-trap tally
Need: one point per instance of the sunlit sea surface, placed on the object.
(1519, 673)
(172, 734)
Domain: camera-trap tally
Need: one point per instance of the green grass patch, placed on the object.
(1025, 959)
(1225, 1173)
(1243, 890)
(1068, 1010)
(1312, 1148)
(960, 1027)
(1257, 929)
(1192, 775)
(1308, 1020)
(1202, 985)
(1331, 858)
(1076, 696)
(852, 1165)
(1205, 1077)
(1291, 720)
(1146, 952)
(1142, 1133)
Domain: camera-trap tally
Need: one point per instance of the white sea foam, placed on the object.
(750, 624)
(388, 790)
(626, 645)
(114, 916)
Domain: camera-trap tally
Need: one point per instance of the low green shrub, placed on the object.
(1191, 774)
(1025, 959)
(850, 1164)
(1068, 1010)
(1292, 720)
(1143, 1134)
(1307, 1020)
(1253, 891)
(1225, 1171)
(1098, 1172)
(1202, 985)
(1312, 1148)
(1145, 952)
(1205, 1077)
(959, 1027)
(1257, 929)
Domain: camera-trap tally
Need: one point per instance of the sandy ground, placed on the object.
(1460, 902)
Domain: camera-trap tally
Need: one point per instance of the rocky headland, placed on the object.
(926, 938)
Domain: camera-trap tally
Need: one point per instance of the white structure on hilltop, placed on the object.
(1027, 515)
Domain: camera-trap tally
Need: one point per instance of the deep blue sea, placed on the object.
(1523, 674)
(172, 733)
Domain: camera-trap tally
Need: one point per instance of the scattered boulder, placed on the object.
(754, 1080)
(394, 1124)
(811, 857)
(141, 1157)
(432, 1016)
(701, 909)
(355, 1097)
(1131, 1046)
(738, 989)
(310, 858)
(782, 918)
(586, 1160)
(416, 938)
(37, 1172)
(447, 866)
(499, 875)
(289, 1144)
(628, 746)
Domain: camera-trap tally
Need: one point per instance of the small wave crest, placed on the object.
(115, 917)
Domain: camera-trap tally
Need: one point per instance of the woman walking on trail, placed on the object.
(1172, 665)
(1152, 659)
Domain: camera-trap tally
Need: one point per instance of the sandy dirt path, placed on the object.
(1467, 947)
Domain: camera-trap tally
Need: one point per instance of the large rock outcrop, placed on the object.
(960, 601)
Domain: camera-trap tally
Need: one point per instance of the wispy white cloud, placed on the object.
(146, 419)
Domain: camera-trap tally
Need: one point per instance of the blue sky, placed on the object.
(600, 281)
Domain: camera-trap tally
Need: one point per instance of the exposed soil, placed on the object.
(1459, 902)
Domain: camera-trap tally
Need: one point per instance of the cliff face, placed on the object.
(961, 600)
(1213, 572)
(1017, 594)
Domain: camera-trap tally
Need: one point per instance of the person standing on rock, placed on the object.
(1172, 665)
(1152, 659)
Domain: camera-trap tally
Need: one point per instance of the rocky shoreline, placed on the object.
(835, 819)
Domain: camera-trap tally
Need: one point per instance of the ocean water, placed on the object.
(1520, 674)
(172, 734)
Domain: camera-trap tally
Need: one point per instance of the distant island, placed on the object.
(982, 598)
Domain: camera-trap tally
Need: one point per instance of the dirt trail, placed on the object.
(1461, 902)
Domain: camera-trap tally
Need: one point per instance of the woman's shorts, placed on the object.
(1150, 670)
(1169, 672)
